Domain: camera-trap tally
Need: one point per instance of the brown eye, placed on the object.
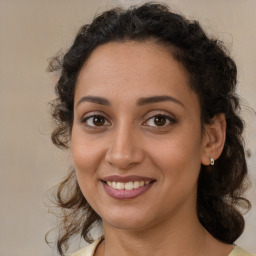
(160, 120)
(95, 121)
(98, 120)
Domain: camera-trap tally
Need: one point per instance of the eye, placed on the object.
(159, 121)
(95, 121)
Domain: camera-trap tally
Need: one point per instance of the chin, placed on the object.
(125, 225)
(127, 220)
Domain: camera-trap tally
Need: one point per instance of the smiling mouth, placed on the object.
(127, 185)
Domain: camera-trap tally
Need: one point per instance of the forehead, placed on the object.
(134, 68)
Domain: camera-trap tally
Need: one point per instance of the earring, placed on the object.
(211, 161)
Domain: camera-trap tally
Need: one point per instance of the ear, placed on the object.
(213, 139)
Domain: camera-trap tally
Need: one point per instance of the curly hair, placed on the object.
(212, 76)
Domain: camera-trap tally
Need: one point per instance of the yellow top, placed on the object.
(90, 249)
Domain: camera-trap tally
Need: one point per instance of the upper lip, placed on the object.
(125, 179)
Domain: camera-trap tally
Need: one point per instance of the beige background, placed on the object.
(30, 32)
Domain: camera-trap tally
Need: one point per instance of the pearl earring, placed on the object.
(211, 161)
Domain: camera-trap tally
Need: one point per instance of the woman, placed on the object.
(146, 101)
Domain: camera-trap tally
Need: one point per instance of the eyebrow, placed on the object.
(140, 102)
(156, 99)
(94, 99)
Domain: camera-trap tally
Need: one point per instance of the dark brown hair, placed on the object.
(213, 76)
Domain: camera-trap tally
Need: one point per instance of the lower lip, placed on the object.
(126, 194)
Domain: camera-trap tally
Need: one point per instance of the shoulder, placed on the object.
(88, 250)
(238, 251)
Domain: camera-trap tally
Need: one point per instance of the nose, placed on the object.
(125, 150)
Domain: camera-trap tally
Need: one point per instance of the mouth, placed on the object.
(126, 187)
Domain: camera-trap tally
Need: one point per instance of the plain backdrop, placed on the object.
(31, 31)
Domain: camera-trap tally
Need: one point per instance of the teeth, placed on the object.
(128, 185)
(119, 185)
(113, 184)
(136, 184)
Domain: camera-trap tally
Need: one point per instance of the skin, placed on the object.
(128, 140)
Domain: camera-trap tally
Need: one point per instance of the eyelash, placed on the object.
(86, 119)
(166, 118)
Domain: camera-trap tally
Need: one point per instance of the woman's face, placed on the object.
(137, 143)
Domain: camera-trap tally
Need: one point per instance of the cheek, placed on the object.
(85, 151)
(85, 161)
(86, 156)
(178, 157)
